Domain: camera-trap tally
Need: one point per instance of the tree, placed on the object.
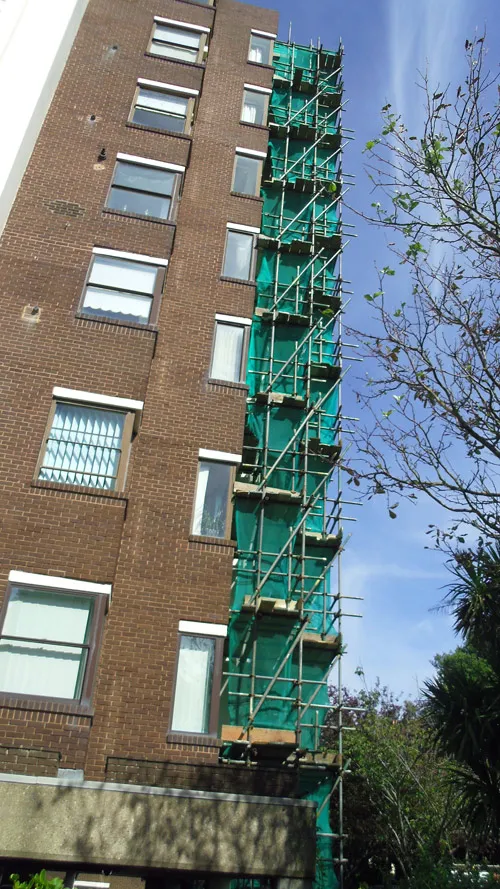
(463, 701)
(398, 804)
(433, 394)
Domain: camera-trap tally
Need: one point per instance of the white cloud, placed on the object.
(423, 37)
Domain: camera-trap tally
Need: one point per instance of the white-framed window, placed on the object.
(178, 40)
(163, 106)
(198, 677)
(247, 172)
(212, 509)
(230, 348)
(123, 287)
(255, 104)
(240, 252)
(87, 439)
(145, 187)
(261, 47)
(49, 636)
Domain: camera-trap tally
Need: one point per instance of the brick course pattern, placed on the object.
(138, 540)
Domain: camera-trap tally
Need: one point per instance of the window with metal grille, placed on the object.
(87, 440)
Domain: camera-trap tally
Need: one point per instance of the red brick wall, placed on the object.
(140, 540)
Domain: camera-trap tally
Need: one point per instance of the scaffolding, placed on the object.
(286, 613)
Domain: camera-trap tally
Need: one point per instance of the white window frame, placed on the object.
(258, 156)
(140, 258)
(232, 321)
(247, 230)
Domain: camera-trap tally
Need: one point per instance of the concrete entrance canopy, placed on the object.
(123, 825)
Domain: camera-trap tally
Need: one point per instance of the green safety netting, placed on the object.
(296, 216)
(287, 57)
(302, 161)
(284, 280)
(287, 567)
(317, 787)
(301, 109)
(257, 655)
(279, 356)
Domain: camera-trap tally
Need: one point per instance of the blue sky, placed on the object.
(386, 43)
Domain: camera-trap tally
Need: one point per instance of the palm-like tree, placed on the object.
(463, 701)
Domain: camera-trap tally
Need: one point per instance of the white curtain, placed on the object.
(35, 667)
(193, 685)
(256, 55)
(249, 110)
(201, 490)
(226, 364)
(115, 303)
(238, 258)
(109, 271)
(84, 446)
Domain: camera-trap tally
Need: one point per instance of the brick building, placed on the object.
(129, 464)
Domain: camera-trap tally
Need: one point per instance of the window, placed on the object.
(147, 188)
(88, 438)
(124, 286)
(198, 677)
(247, 171)
(212, 516)
(50, 633)
(163, 107)
(176, 40)
(239, 258)
(255, 102)
(261, 47)
(230, 347)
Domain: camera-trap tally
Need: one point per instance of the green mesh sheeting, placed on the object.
(295, 216)
(280, 570)
(297, 110)
(266, 685)
(301, 161)
(317, 787)
(280, 358)
(278, 663)
(289, 283)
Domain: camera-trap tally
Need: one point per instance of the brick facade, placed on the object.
(138, 540)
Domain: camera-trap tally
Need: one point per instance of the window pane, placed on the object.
(29, 668)
(36, 667)
(246, 175)
(260, 50)
(84, 446)
(144, 178)
(138, 202)
(212, 495)
(179, 36)
(166, 102)
(183, 53)
(109, 271)
(238, 259)
(117, 305)
(193, 686)
(228, 352)
(159, 121)
(254, 107)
